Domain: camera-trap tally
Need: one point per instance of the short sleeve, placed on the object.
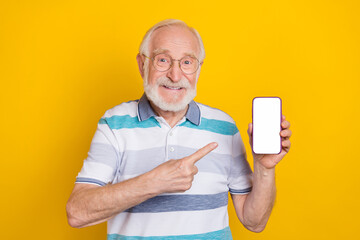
(101, 163)
(240, 178)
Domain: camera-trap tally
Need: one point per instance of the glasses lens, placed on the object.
(162, 62)
(189, 64)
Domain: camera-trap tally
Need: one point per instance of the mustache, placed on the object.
(182, 83)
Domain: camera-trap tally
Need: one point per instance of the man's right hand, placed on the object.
(178, 175)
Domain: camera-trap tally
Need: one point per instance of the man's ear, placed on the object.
(140, 62)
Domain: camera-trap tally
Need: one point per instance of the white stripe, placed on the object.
(97, 171)
(141, 138)
(138, 162)
(204, 183)
(169, 223)
(127, 108)
(238, 145)
(213, 113)
(203, 138)
(241, 182)
(104, 135)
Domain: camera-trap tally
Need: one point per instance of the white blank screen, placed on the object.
(266, 125)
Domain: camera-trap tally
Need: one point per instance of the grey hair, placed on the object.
(144, 46)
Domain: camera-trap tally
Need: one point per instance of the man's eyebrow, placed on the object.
(191, 55)
(162, 50)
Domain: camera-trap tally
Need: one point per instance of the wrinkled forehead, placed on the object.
(174, 40)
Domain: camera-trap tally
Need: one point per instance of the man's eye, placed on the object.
(163, 60)
(187, 62)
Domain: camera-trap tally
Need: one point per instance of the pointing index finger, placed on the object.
(193, 158)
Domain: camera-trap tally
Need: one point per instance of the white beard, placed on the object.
(151, 92)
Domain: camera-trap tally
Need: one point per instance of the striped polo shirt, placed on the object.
(131, 140)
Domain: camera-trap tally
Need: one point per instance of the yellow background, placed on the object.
(63, 63)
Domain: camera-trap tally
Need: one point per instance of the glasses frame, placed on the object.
(172, 63)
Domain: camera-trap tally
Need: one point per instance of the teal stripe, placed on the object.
(213, 125)
(126, 121)
(224, 234)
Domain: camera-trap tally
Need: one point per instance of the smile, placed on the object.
(172, 88)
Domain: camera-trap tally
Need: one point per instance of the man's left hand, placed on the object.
(271, 160)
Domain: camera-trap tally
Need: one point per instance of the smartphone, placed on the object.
(266, 119)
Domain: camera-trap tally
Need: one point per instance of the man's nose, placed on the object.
(175, 73)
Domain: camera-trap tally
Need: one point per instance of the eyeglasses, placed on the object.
(163, 62)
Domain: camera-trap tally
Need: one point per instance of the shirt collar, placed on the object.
(145, 111)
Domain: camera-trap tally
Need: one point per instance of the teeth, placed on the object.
(173, 88)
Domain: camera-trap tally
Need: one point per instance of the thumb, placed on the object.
(250, 132)
(193, 158)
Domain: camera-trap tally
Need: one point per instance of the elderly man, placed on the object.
(161, 167)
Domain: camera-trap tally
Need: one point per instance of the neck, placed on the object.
(172, 118)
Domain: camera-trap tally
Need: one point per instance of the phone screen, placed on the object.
(266, 114)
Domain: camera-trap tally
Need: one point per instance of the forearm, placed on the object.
(90, 206)
(259, 203)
